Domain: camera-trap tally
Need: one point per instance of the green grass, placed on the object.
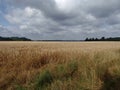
(43, 80)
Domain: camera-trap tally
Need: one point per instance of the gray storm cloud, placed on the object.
(64, 19)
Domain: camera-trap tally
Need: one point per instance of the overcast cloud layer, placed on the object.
(60, 19)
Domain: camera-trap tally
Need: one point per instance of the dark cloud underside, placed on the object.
(62, 19)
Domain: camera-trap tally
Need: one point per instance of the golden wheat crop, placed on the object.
(59, 65)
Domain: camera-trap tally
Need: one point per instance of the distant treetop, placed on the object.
(14, 39)
(103, 39)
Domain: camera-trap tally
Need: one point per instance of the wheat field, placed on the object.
(59, 65)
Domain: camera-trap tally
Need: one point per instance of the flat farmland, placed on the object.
(59, 65)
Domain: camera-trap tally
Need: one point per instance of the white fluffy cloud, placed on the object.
(63, 19)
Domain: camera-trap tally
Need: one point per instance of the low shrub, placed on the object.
(43, 80)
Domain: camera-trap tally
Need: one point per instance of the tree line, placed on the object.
(87, 39)
(103, 39)
(14, 39)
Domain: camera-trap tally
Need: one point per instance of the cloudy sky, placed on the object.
(60, 19)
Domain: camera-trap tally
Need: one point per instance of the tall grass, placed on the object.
(59, 66)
